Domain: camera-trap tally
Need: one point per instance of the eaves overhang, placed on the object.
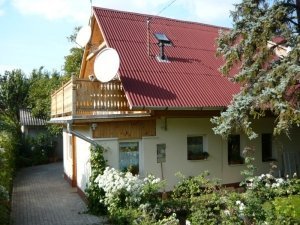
(92, 118)
(173, 108)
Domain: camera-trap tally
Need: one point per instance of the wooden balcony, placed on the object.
(80, 98)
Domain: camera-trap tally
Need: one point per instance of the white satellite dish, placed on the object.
(83, 36)
(106, 64)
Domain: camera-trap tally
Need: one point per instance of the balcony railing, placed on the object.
(80, 97)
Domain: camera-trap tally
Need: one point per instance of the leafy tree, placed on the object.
(73, 60)
(268, 83)
(14, 88)
(42, 83)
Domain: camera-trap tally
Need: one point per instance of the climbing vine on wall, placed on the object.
(93, 192)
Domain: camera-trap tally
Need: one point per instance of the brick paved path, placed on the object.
(42, 197)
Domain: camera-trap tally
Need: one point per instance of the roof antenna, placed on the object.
(167, 6)
(148, 35)
(90, 20)
(148, 23)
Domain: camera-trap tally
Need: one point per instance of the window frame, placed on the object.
(137, 169)
(200, 155)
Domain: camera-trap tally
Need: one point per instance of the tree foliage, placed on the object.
(14, 88)
(268, 83)
(42, 84)
(73, 60)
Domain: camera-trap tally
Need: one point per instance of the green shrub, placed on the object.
(4, 215)
(135, 216)
(37, 150)
(283, 210)
(4, 196)
(4, 206)
(195, 186)
(93, 192)
(131, 200)
(127, 216)
(8, 145)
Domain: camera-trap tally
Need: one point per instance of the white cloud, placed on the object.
(55, 9)
(2, 12)
(142, 6)
(79, 10)
(211, 11)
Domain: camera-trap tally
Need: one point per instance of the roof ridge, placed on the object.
(160, 17)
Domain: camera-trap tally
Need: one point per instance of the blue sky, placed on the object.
(34, 32)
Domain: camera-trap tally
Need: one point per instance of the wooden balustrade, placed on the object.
(81, 97)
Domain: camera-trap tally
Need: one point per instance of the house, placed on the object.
(154, 115)
(32, 126)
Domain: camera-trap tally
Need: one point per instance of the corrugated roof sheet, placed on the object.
(189, 80)
(27, 119)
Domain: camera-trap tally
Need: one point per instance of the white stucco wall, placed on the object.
(83, 168)
(82, 150)
(175, 138)
(67, 154)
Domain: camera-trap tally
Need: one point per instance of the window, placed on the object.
(195, 148)
(266, 147)
(129, 157)
(234, 150)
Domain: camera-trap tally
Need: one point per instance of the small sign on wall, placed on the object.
(161, 153)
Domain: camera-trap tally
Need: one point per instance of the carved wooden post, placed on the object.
(74, 100)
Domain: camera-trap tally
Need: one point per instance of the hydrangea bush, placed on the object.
(123, 189)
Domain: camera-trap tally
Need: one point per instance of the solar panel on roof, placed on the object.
(161, 37)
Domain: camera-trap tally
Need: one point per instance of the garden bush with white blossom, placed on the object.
(131, 199)
(125, 189)
(198, 200)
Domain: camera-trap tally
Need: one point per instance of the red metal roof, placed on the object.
(190, 79)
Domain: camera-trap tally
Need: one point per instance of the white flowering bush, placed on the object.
(131, 200)
(125, 189)
(266, 200)
(267, 187)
